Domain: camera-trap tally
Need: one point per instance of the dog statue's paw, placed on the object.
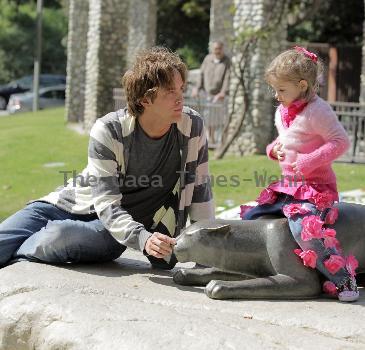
(216, 290)
(182, 277)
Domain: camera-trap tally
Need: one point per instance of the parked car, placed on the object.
(26, 84)
(52, 96)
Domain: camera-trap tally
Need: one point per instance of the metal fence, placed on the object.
(214, 115)
(119, 98)
(351, 115)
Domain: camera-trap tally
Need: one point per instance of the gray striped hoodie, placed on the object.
(97, 189)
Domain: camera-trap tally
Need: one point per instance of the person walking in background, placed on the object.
(214, 74)
(213, 86)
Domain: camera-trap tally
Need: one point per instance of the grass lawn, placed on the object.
(28, 141)
(254, 168)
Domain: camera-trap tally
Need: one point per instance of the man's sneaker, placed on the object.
(348, 291)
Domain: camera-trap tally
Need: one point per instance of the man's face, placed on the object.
(218, 51)
(168, 104)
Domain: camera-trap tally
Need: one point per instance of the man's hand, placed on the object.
(277, 151)
(195, 92)
(218, 97)
(159, 245)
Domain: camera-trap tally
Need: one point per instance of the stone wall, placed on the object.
(106, 56)
(221, 23)
(103, 36)
(257, 129)
(76, 57)
(142, 27)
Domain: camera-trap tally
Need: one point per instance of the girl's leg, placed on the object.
(264, 209)
(342, 276)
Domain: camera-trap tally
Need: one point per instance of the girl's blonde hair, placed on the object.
(295, 65)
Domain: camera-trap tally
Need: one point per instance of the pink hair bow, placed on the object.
(309, 54)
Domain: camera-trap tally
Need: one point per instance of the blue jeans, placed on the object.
(295, 225)
(41, 232)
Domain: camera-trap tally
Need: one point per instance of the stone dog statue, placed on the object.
(254, 259)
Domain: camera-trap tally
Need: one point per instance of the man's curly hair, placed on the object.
(153, 68)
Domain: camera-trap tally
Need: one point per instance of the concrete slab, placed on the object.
(127, 305)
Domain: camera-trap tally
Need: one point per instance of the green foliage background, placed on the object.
(182, 25)
(18, 35)
(335, 22)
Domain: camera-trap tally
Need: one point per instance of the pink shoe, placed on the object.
(348, 291)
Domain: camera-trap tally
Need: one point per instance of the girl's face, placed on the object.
(288, 91)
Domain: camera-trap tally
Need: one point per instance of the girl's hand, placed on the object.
(295, 168)
(277, 151)
(294, 165)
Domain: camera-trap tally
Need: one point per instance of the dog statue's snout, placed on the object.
(180, 249)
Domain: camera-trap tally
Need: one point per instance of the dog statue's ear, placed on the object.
(222, 228)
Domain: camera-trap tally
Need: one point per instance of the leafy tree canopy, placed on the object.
(18, 38)
(183, 25)
(335, 22)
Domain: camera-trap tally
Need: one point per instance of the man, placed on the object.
(214, 74)
(147, 171)
(213, 80)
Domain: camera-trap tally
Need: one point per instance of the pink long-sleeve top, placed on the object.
(313, 139)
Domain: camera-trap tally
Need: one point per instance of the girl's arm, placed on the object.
(269, 149)
(270, 146)
(324, 123)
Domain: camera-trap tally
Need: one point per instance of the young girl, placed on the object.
(310, 139)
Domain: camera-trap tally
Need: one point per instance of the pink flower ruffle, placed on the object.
(332, 242)
(323, 200)
(329, 232)
(300, 190)
(293, 209)
(334, 263)
(330, 288)
(351, 265)
(331, 216)
(245, 209)
(311, 228)
(267, 196)
(309, 257)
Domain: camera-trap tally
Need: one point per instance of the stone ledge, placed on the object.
(127, 305)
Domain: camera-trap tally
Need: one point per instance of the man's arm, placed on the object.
(201, 76)
(106, 193)
(200, 85)
(270, 148)
(225, 85)
(202, 204)
(324, 123)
